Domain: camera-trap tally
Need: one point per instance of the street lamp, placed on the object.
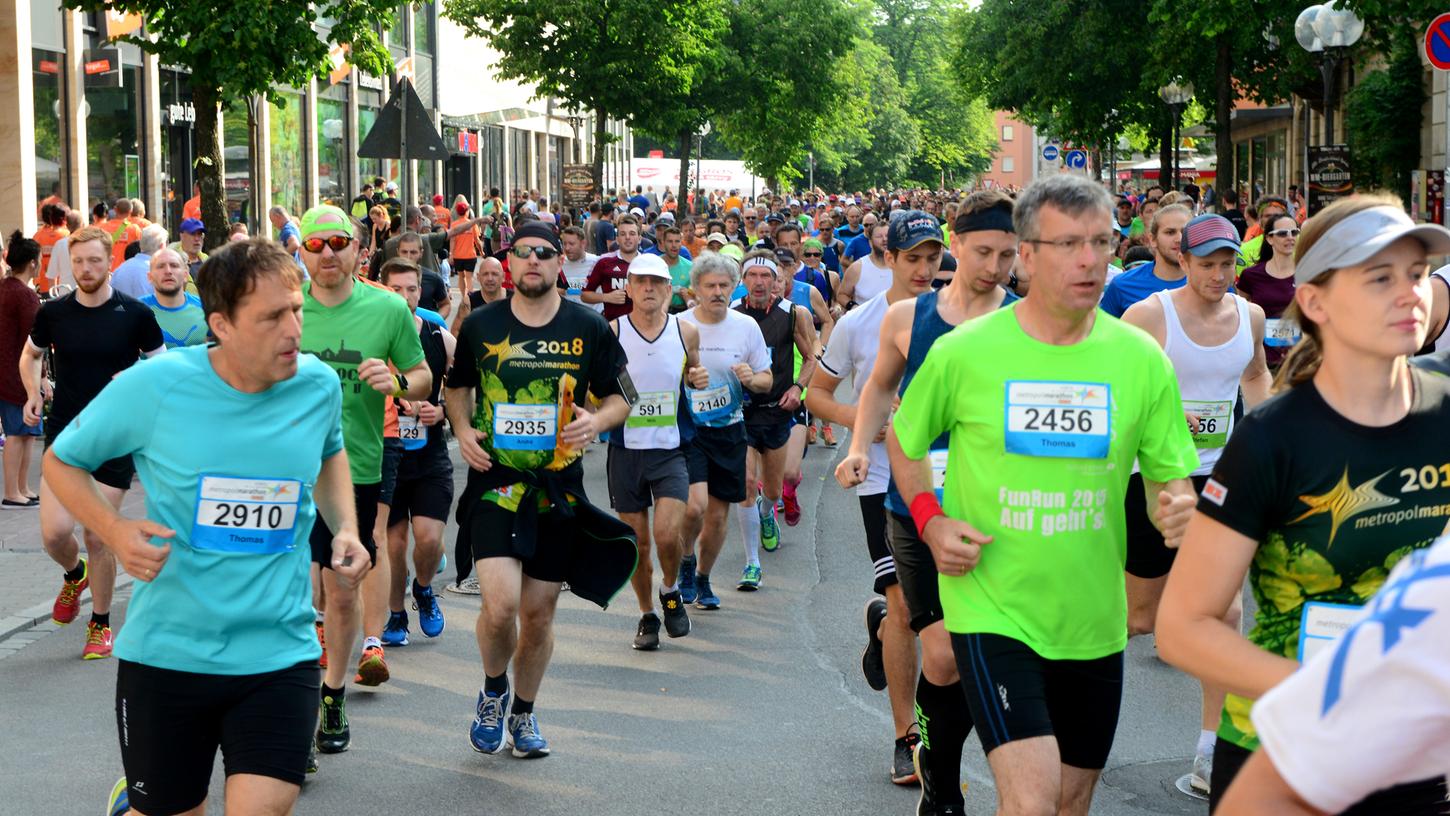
(1176, 94)
(1329, 31)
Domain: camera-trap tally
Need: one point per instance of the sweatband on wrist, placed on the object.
(924, 508)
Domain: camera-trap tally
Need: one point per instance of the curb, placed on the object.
(18, 622)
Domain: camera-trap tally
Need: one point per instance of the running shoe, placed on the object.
(927, 804)
(705, 597)
(525, 738)
(68, 602)
(486, 733)
(468, 586)
(873, 665)
(687, 579)
(1202, 773)
(647, 636)
(395, 633)
(677, 620)
(829, 436)
(749, 578)
(98, 642)
(311, 767)
(322, 643)
(791, 506)
(372, 667)
(811, 434)
(333, 733)
(430, 614)
(769, 530)
(903, 763)
(120, 801)
(442, 564)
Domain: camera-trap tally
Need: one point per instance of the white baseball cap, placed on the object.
(651, 265)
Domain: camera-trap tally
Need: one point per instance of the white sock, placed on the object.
(1206, 740)
(369, 642)
(665, 590)
(750, 532)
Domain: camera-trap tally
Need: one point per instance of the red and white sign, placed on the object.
(467, 142)
(1437, 42)
(715, 174)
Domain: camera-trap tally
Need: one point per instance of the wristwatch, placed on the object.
(402, 385)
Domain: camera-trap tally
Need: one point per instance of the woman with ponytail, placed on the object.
(1325, 486)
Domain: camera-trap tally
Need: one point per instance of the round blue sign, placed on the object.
(1050, 152)
(1076, 159)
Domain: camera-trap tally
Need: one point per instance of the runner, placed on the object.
(768, 415)
(983, 237)
(234, 666)
(913, 251)
(93, 334)
(1165, 234)
(1270, 284)
(523, 370)
(869, 276)
(1215, 340)
(733, 351)
(646, 463)
(423, 491)
(180, 315)
(358, 330)
(1047, 407)
(1325, 487)
(605, 283)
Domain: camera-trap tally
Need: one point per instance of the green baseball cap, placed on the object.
(324, 218)
(733, 251)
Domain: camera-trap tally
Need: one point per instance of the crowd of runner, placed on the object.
(1073, 418)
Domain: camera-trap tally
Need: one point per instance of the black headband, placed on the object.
(993, 218)
(538, 229)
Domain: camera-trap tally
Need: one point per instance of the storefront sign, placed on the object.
(121, 23)
(337, 58)
(467, 142)
(181, 114)
(578, 185)
(48, 67)
(1329, 175)
(715, 174)
(369, 81)
(103, 68)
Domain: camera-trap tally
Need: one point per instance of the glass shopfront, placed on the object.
(333, 184)
(288, 158)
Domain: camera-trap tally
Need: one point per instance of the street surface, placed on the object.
(762, 709)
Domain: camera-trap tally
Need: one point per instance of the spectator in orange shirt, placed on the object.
(123, 230)
(192, 207)
(52, 229)
(53, 198)
(138, 214)
(440, 212)
(463, 247)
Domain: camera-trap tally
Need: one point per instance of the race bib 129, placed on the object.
(412, 432)
(524, 427)
(255, 516)
(1057, 419)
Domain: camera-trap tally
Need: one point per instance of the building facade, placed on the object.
(1012, 166)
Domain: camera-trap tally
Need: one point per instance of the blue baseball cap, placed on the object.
(192, 225)
(1209, 233)
(910, 228)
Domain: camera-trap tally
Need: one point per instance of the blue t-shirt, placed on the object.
(230, 605)
(604, 234)
(183, 326)
(845, 233)
(1132, 286)
(432, 317)
(859, 247)
(638, 200)
(655, 250)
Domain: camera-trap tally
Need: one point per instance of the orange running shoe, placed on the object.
(68, 602)
(372, 669)
(828, 435)
(98, 642)
(321, 641)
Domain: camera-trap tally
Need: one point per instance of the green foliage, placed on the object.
(1382, 121)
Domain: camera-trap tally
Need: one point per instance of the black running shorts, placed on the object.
(637, 478)
(392, 458)
(767, 437)
(366, 499)
(425, 487)
(916, 570)
(1148, 556)
(720, 454)
(171, 724)
(491, 532)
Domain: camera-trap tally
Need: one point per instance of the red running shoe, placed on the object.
(68, 602)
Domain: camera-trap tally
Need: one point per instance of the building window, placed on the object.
(1006, 133)
(333, 183)
(113, 153)
(237, 164)
(1008, 165)
(287, 153)
(49, 119)
(423, 28)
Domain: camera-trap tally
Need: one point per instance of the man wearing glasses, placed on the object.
(359, 330)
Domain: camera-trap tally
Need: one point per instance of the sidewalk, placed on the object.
(29, 579)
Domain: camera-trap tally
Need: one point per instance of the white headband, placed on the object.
(765, 262)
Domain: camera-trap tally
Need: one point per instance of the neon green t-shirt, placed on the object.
(371, 323)
(1043, 440)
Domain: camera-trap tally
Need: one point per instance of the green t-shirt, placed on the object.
(1137, 228)
(371, 323)
(680, 280)
(1249, 253)
(183, 326)
(1043, 440)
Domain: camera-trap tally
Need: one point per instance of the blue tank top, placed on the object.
(800, 294)
(816, 278)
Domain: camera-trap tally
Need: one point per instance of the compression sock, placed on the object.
(497, 686)
(334, 693)
(78, 573)
(102, 619)
(522, 706)
(945, 721)
(749, 532)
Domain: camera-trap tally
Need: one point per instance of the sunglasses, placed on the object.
(1284, 233)
(811, 255)
(337, 242)
(543, 253)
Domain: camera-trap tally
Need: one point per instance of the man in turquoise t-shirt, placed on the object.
(182, 321)
(218, 647)
(1048, 404)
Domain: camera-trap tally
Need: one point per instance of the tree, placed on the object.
(238, 50)
(606, 56)
(1382, 119)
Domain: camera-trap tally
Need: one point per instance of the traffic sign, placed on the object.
(1437, 42)
(1050, 152)
(1075, 159)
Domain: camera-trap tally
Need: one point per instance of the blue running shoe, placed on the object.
(749, 579)
(442, 564)
(705, 597)
(525, 738)
(396, 632)
(430, 615)
(120, 801)
(487, 733)
(769, 530)
(688, 593)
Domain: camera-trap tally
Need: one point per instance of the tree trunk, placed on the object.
(209, 169)
(1165, 151)
(1223, 115)
(682, 195)
(599, 135)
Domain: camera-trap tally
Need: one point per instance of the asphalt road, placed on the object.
(762, 709)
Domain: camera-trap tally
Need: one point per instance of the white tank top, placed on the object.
(1208, 378)
(873, 281)
(1443, 341)
(656, 367)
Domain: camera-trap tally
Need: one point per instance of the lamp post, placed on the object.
(1176, 94)
(1329, 31)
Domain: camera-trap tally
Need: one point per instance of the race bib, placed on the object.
(1213, 421)
(575, 294)
(712, 404)
(1057, 419)
(653, 409)
(252, 516)
(524, 427)
(1321, 624)
(1280, 333)
(412, 432)
(938, 472)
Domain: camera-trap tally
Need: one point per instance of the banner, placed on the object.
(1329, 175)
(715, 174)
(578, 185)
